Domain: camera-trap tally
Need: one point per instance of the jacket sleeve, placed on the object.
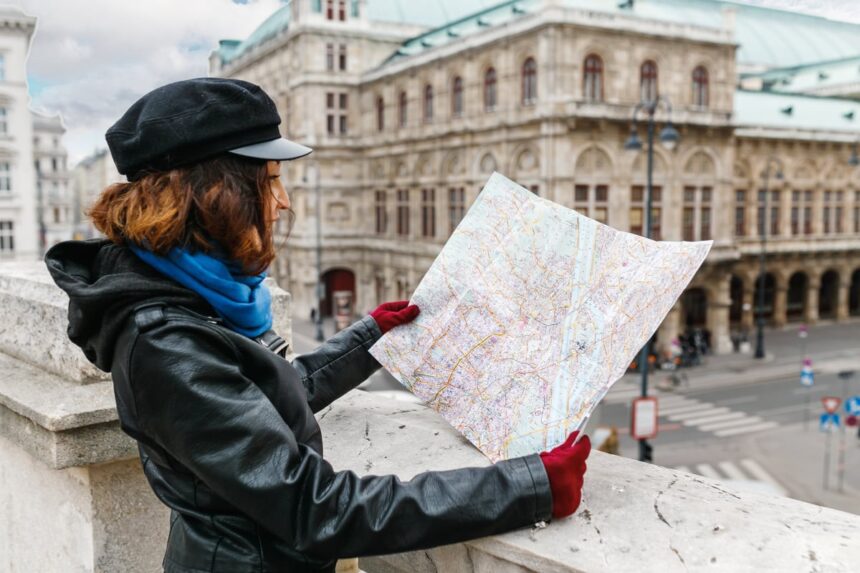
(340, 364)
(193, 400)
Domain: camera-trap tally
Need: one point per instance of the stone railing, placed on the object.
(73, 497)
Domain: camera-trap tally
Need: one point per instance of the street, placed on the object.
(746, 422)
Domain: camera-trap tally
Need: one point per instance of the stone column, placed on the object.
(780, 298)
(812, 299)
(842, 311)
(670, 328)
(748, 307)
(718, 316)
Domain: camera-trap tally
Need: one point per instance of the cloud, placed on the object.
(91, 59)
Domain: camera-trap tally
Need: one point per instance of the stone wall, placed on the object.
(73, 497)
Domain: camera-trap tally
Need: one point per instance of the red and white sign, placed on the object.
(643, 426)
(830, 403)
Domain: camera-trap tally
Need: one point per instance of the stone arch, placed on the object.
(854, 293)
(337, 279)
(525, 161)
(593, 161)
(736, 300)
(796, 297)
(806, 171)
(486, 164)
(694, 306)
(828, 294)
(766, 310)
(700, 163)
(661, 166)
(453, 163)
(424, 165)
(400, 169)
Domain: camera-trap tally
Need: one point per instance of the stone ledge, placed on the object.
(59, 422)
(28, 297)
(634, 516)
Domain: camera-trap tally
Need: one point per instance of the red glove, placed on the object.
(390, 314)
(565, 466)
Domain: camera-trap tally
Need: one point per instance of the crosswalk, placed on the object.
(746, 474)
(721, 421)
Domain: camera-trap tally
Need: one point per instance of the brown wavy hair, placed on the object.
(219, 203)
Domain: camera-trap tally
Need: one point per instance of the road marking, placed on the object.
(731, 470)
(745, 429)
(684, 408)
(684, 469)
(738, 400)
(729, 423)
(707, 471)
(660, 427)
(760, 473)
(697, 414)
(711, 419)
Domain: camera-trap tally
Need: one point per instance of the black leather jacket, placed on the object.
(228, 439)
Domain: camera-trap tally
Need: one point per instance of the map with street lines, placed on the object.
(529, 314)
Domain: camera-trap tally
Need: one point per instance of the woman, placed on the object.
(172, 304)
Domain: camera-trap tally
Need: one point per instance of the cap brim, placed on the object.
(274, 150)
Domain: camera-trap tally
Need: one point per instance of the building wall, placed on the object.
(18, 202)
(560, 141)
(55, 205)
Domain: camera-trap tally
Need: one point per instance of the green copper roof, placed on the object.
(811, 77)
(272, 26)
(792, 111)
(767, 37)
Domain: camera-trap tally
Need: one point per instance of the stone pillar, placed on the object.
(812, 299)
(73, 496)
(748, 307)
(718, 316)
(670, 328)
(842, 311)
(780, 298)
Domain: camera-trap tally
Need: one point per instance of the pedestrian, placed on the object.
(173, 305)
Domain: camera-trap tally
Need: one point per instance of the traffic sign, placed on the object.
(807, 378)
(830, 403)
(643, 426)
(852, 405)
(802, 332)
(829, 422)
(851, 421)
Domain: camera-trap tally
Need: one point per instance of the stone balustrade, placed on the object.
(73, 497)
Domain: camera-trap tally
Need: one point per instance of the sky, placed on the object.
(91, 59)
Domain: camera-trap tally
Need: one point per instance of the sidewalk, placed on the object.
(832, 348)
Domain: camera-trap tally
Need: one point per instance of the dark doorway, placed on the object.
(796, 303)
(736, 292)
(854, 294)
(336, 280)
(695, 305)
(767, 310)
(828, 295)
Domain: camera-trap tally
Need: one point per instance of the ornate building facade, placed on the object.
(411, 109)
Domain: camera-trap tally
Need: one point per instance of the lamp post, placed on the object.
(669, 137)
(765, 220)
(318, 289)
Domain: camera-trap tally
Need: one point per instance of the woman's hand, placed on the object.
(390, 314)
(565, 466)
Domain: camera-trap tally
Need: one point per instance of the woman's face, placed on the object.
(280, 199)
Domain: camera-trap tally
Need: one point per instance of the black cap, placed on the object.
(191, 120)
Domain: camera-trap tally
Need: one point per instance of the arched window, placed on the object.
(490, 90)
(428, 103)
(380, 113)
(457, 97)
(592, 78)
(700, 87)
(401, 109)
(648, 81)
(529, 81)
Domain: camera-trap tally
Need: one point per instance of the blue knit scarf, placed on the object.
(242, 301)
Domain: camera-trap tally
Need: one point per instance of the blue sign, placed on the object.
(852, 405)
(828, 422)
(807, 377)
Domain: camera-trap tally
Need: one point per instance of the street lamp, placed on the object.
(669, 138)
(318, 289)
(765, 219)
